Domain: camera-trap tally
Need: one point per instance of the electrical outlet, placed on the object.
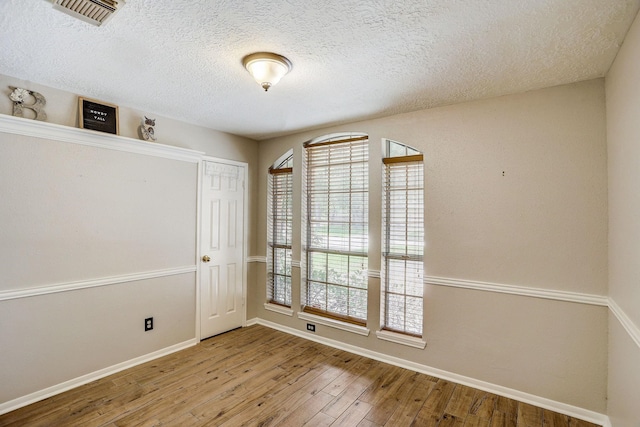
(148, 324)
(311, 327)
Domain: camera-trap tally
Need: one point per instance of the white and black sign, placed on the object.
(97, 115)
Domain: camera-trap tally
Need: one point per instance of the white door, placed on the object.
(222, 276)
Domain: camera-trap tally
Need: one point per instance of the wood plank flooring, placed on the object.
(257, 376)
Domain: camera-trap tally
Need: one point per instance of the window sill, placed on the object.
(360, 330)
(278, 309)
(401, 339)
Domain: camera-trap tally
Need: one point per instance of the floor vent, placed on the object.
(96, 12)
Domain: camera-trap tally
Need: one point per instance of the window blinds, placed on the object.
(280, 225)
(337, 176)
(403, 246)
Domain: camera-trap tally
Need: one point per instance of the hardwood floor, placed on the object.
(257, 376)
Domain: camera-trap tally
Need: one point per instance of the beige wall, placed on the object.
(541, 224)
(70, 213)
(623, 140)
(62, 109)
(50, 339)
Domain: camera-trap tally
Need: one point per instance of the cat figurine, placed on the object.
(147, 130)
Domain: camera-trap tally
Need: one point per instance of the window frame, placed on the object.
(359, 144)
(409, 253)
(280, 177)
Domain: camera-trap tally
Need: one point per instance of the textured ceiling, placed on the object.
(352, 59)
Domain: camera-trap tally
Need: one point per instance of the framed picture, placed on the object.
(98, 115)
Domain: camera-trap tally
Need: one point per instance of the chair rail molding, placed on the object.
(625, 321)
(552, 294)
(93, 283)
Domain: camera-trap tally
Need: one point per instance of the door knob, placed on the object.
(206, 258)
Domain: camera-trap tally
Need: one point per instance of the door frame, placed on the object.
(245, 239)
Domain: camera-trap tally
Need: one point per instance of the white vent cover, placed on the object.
(96, 12)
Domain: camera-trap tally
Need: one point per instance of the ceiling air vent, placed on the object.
(96, 12)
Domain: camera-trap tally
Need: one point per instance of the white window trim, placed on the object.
(269, 305)
(401, 339)
(337, 137)
(333, 323)
(278, 309)
(413, 154)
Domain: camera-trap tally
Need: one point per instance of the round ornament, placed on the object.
(19, 95)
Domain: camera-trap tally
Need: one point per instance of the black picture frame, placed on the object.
(98, 115)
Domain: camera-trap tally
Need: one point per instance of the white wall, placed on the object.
(623, 143)
(542, 224)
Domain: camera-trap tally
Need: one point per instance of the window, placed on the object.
(403, 240)
(336, 199)
(280, 218)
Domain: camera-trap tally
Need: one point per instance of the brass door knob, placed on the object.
(206, 258)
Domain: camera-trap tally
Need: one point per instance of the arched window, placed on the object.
(279, 226)
(403, 240)
(335, 212)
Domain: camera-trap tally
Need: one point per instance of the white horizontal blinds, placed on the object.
(280, 225)
(403, 246)
(337, 228)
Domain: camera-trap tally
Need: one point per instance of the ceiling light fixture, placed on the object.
(266, 68)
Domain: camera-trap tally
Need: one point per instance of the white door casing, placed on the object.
(223, 241)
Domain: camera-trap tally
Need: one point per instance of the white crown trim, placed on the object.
(52, 131)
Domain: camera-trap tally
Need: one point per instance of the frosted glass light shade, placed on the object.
(266, 68)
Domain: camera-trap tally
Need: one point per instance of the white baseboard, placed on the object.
(563, 408)
(251, 322)
(84, 379)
